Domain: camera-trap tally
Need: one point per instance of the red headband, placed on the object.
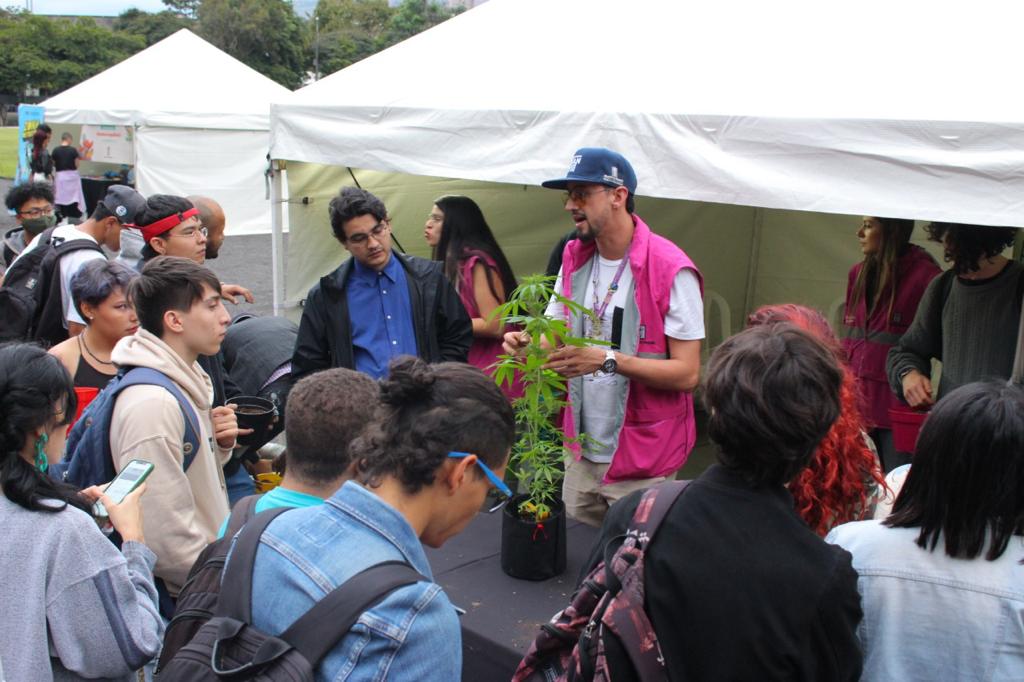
(164, 224)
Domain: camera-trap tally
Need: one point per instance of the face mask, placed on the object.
(36, 225)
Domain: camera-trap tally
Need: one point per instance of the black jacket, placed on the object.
(443, 329)
(739, 588)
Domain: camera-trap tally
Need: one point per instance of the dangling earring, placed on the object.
(41, 462)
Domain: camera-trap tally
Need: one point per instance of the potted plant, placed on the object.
(533, 522)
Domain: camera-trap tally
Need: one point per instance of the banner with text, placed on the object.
(107, 144)
(29, 118)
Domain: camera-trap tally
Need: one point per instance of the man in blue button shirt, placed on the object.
(377, 304)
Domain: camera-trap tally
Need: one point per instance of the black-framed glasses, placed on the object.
(377, 231)
(37, 212)
(579, 195)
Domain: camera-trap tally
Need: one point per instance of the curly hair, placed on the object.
(835, 486)
(427, 412)
(966, 245)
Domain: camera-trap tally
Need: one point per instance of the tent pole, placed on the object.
(755, 248)
(276, 240)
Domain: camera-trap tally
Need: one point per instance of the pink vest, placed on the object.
(657, 431)
(867, 341)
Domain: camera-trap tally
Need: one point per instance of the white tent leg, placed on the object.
(276, 238)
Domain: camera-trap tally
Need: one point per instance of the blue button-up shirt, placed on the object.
(411, 635)
(381, 316)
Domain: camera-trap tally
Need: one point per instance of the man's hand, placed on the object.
(225, 426)
(574, 361)
(229, 291)
(917, 389)
(515, 342)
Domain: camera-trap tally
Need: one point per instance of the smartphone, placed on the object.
(130, 478)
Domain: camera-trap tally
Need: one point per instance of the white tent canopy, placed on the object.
(906, 109)
(200, 119)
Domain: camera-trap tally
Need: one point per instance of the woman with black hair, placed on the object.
(882, 295)
(941, 580)
(41, 162)
(439, 443)
(476, 266)
(72, 604)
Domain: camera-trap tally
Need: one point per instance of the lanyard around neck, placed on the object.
(612, 288)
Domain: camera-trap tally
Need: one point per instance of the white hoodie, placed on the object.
(182, 510)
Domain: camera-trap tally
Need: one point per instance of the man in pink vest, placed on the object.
(632, 399)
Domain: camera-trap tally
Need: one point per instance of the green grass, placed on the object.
(8, 151)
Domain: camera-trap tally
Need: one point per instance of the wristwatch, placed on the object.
(609, 365)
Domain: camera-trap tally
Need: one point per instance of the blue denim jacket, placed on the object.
(928, 616)
(411, 636)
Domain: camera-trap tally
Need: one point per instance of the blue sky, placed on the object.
(92, 7)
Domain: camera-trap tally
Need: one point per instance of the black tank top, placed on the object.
(87, 376)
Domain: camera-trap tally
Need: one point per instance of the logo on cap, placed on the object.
(121, 211)
(575, 162)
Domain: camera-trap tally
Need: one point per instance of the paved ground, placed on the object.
(243, 260)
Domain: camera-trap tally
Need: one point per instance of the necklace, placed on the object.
(82, 344)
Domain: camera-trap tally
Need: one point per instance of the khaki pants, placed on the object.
(586, 498)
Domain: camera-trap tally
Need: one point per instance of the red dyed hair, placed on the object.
(834, 487)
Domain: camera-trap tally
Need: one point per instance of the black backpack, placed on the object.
(31, 308)
(609, 604)
(227, 647)
(197, 601)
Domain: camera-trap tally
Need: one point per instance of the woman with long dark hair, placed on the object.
(941, 581)
(882, 295)
(477, 268)
(843, 480)
(73, 605)
(41, 163)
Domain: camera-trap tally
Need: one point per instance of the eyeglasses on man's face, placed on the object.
(377, 231)
(579, 195)
(491, 476)
(192, 232)
(37, 212)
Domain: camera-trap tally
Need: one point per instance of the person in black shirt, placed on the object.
(737, 586)
(70, 201)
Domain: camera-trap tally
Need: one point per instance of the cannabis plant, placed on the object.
(538, 455)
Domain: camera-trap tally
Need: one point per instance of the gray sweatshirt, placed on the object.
(974, 334)
(71, 605)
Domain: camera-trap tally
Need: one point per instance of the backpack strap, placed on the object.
(236, 602)
(342, 607)
(243, 510)
(147, 376)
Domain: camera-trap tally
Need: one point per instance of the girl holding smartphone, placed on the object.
(73, 605)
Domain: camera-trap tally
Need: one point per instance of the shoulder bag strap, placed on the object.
(314, 638)
(243, 510)
(153, 377)
(236, 587)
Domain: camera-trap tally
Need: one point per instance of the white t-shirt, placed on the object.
(69, 265)
(683, 321)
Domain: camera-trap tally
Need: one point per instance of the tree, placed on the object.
(264, 34)
(152, 27)
(415, 16)
(349, 30)
(184, 8)
(55, 54)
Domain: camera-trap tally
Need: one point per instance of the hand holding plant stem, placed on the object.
(538, 454)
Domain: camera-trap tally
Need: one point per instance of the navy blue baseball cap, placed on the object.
(599, 166)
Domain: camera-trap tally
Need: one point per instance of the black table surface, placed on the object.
(503, 614)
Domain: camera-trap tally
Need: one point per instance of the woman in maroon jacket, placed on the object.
(881, 298)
